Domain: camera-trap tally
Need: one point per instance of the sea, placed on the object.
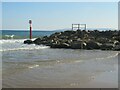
(39, 66)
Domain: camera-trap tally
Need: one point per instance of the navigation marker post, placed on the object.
(30, 22)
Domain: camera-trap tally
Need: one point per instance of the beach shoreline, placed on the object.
(68, 71)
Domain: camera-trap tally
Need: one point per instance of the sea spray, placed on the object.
(11, 45)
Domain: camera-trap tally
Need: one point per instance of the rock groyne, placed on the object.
(88, 40)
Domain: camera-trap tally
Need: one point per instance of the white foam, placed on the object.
(11, 45)
(13, 40)
(78, 61)
(112, 56)
(34, 66)
(27, 48)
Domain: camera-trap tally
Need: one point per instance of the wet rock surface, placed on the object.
(28, 42)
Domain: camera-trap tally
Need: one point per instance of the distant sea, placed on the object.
(22, 34)
(38, 66)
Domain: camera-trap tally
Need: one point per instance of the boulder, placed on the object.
(68, 32)
(77, 45)
(92, 45)
(42, 41)
(117, 46)
(54, 35)
(47, 43)
(28, 42)
(107, 46)
(61, 45)
(37, 41)
(102, 40)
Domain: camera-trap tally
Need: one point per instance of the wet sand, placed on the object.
(99, 73)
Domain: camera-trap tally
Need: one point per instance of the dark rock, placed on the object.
(47, 43)
(102, 40)
(42, 41)
(107, 46)
(81, 39)
(92, 45)
(55, 35)
(37, 41)
(28, 42)
(117, 46)
(67, 33)
(77, 45)
(62, 45)
(45, 37)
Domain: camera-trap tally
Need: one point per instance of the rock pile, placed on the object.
(89, 40)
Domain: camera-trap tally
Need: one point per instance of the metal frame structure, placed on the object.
(79, 26)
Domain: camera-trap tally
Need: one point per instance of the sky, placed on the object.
(119, 15)
(58, 15)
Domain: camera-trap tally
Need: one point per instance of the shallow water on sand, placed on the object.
(60, 68)
(41, 67)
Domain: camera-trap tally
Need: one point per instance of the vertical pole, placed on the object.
(30, 22)
(30, 31)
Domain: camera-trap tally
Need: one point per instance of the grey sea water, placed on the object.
(34, 66)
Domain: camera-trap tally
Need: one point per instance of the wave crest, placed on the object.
(12, 45)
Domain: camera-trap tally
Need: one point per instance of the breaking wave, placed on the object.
(12, 45)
